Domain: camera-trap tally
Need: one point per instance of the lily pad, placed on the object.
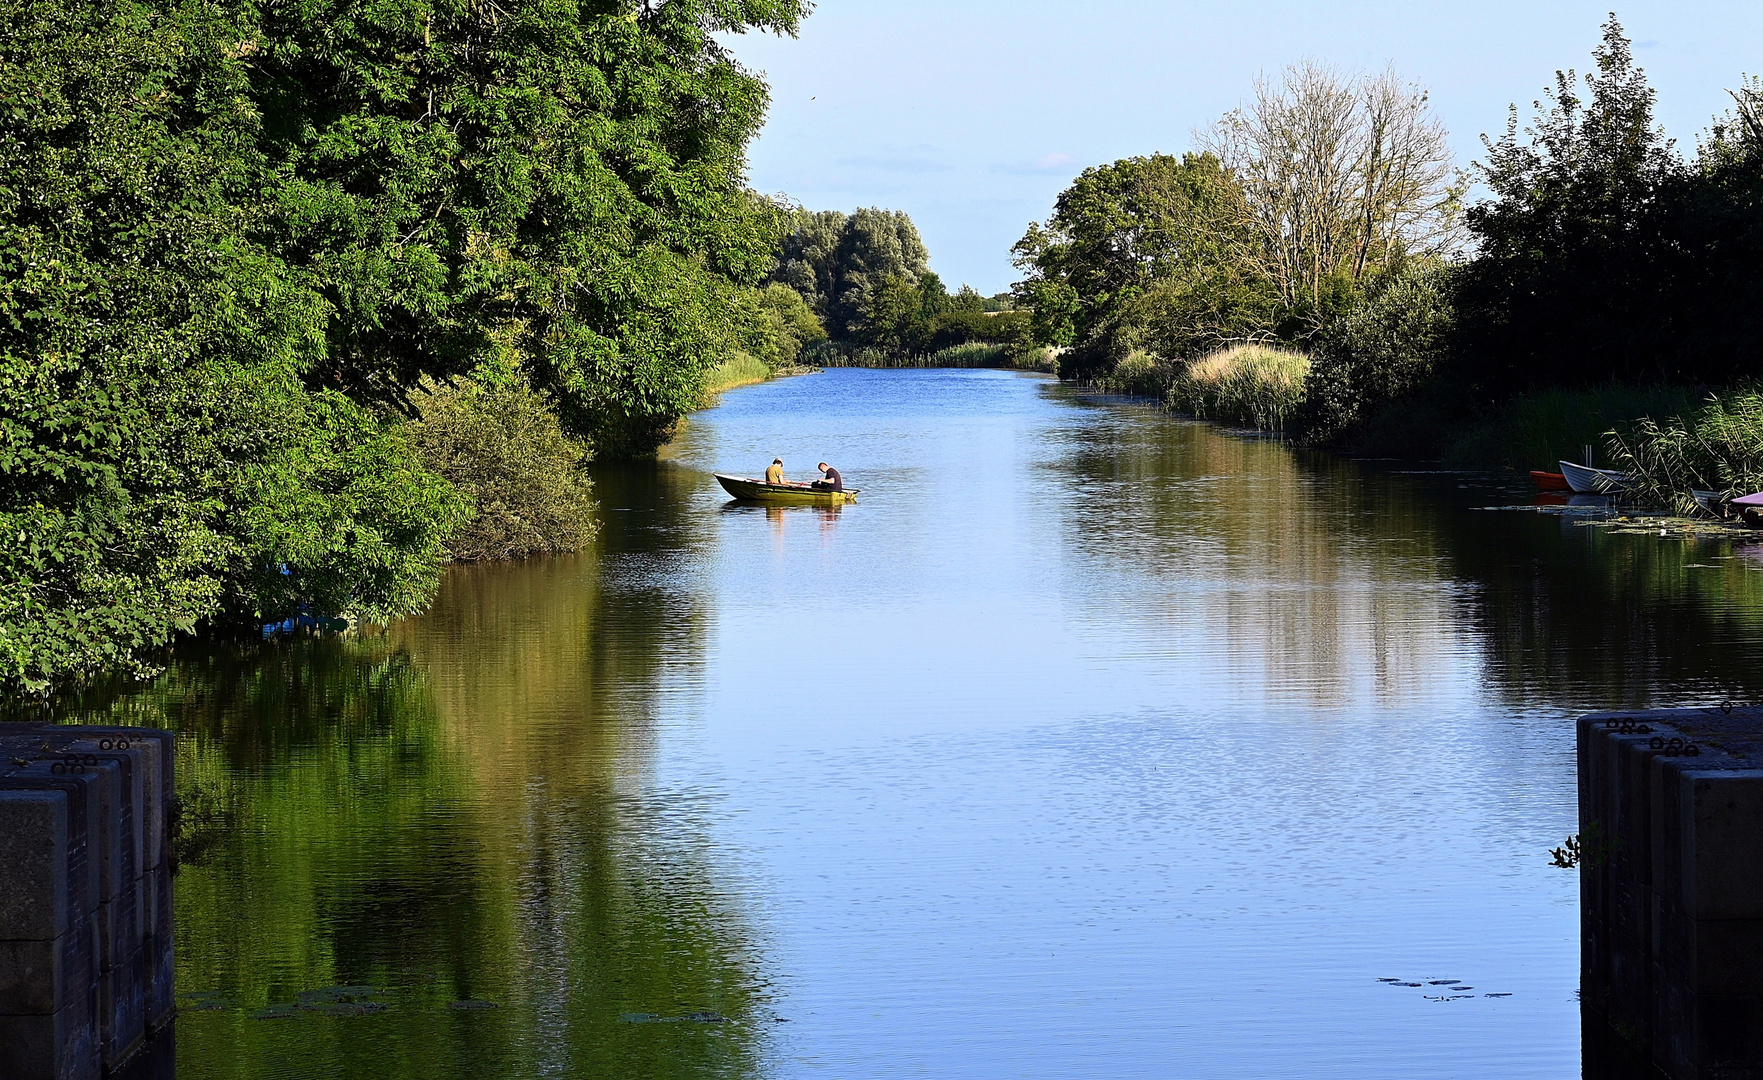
(280, 1011)
(343, 1008)
(205, 1001)
(338, 993)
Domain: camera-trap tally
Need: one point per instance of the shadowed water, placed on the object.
(1089, 742)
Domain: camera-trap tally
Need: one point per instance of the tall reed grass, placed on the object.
(1142, 374)
(1719, 448)
(739, 369)
(1254, 385)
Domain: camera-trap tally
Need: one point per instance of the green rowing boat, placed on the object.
(745, 487)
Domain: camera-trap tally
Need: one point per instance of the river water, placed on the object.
(1089, 742)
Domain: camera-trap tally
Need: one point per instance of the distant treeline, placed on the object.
(865, 277)
(1324, 220)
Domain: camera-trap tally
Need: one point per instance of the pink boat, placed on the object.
(1749, 508)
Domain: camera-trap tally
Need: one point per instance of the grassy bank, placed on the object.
(1253, 385)
(740, 369)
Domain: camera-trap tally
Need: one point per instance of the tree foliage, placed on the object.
(782, 325)
(841, 263)
(1566, 239)
(499, 444)
(161, 459)
(1140, 243)
(567, 173)
(234, 238)
(1386, 347)
(1334, 176)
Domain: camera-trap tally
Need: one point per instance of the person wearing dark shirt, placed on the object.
(832, 481)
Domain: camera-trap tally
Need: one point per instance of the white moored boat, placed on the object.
(1589, 481)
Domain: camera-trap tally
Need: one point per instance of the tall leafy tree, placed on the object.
(1122, 232)
(235, 236)
(567, 174)
(843, 263)
(1568, 239)
(161, 458)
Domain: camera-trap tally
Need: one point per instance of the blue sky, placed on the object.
(972, 115)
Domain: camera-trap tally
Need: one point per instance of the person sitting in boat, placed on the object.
(831, 480)
(775, 474)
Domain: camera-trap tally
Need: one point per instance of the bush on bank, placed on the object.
(1384, 348)
(1255, 385)
(497, 442)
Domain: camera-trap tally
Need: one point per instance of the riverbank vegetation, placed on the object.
(496, 441)
(1717, 447)
(1597, 293)
(251, 254)
(1255, 385)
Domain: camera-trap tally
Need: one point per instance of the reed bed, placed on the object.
(1253, 385)
(1719, 449)
(739, 369)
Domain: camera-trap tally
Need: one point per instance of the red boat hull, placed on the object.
(1549, 481)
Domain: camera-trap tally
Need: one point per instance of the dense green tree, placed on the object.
(161, 459)
(781, 325)
(1385, 347)
(569, 173)
(497, 441)
(1567, 241)
(1124, 231)
(234, 238)
(841, 262)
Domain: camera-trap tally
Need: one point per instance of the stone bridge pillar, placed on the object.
(1671, 894)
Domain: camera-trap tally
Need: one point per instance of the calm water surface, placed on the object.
(1089, 743)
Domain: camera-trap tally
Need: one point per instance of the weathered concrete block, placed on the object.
(1629, 830)
(162, 747)
(34, 900)
(1676, 799)
(1708, 1036)
(120, 932)
(122, 1009)
(59, 1046)
(42, 977)
(156, 1060)
(84, 813)
(85, 898)
(160, 956)
(1708, 956)
(1723, 856)
(102, 782)
(145, 764)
